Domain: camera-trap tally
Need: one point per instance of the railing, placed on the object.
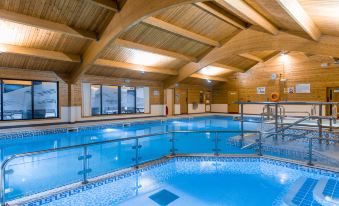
(85, 155)
(150, 147)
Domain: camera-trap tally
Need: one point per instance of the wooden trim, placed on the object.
(251, 57)
(222, 14)
(133, 45)
(250, 13)
(128, 66)
(47, 25)
(180, 31)
(228, 67)
(46, 54)
(214, 78)
(295, 10)
(107, 4)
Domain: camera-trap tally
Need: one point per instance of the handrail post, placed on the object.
(3, 182)
(172, 140)
(310, 147)
(85, 165)
(216, 144)
(260, 144)
(242, 123)
(137, 153)
(276, 121)
(320, 123)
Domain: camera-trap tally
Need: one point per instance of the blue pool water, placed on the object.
(37, 173)
(198, 181)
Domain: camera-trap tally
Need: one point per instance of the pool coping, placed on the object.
(119, 174)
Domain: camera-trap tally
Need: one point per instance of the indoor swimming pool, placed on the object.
(56, 159)
(58, 168)
(205, 181)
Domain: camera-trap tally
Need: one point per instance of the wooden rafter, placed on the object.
(134, 67)
(193, 67)
(134, 45)
(250, 13)
(227, 67)
(180, 31)
(294, 9)
(222, 14)
(108, 4)
(45, 24)
(214, 78)
(46, 54)
(131, 13)
(251, 57)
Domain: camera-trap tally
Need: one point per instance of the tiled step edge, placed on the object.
(320, 197)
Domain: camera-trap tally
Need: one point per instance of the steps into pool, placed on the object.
(313, 192)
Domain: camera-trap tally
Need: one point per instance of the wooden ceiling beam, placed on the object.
(132, 13)
(134, 45)
(228, 67)
(250, 13)
(46, 25)
(251, 57)
(295, 10)
(134, 67)
(107, 4)
(214, 78)
(46, 54)
(180, 31)
(222, 14)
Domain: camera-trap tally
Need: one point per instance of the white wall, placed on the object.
(223, 108)
(200, 109)
(176, 108)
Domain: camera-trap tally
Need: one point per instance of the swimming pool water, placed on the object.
(37, 173)
(197, 181)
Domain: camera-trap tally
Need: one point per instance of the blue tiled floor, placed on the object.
(164, 197)
(304, 196)
(332, 189)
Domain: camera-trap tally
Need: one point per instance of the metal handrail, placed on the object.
(86, 145)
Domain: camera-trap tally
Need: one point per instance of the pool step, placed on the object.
(313, 192)
(326, 192)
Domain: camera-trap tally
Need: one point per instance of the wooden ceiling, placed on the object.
(168, 40)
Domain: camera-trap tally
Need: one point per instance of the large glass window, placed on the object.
(45, 99)
(110, 99)
(140, 100)
(17, 100)
(96, 99)
(107, 99)
(22, 100)
(127, 100)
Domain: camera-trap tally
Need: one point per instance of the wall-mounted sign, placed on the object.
(261, 90)
(290, 90)
(155, 92)
(303, 88)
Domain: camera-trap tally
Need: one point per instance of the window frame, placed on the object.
(119, 100)
(32, 98)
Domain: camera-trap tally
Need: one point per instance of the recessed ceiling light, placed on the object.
(212, 71)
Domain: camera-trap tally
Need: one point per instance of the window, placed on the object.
(110, 99)
(96, 99)
(17, 100)
(127, 100)
(140, 99)
(23, 100)
(45, 99)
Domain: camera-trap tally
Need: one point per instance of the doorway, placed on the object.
(232, 98)
(332, 96)
(181, 96)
